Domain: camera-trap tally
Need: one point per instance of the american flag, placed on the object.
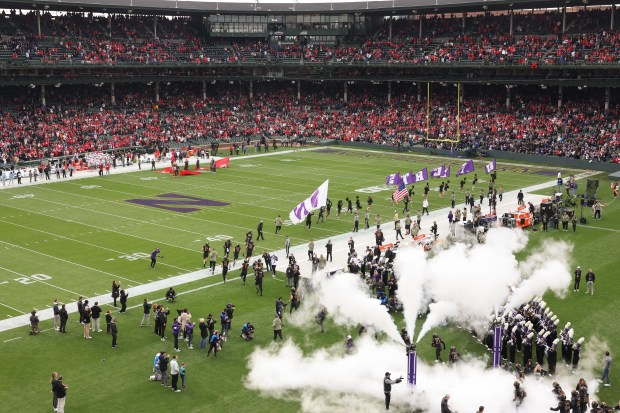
(401, 192)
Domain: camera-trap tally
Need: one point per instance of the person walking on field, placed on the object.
(277, 328)
(212, 260)
(606, 369)
(259, 229)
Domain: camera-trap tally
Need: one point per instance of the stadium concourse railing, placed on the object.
(23, 63)
(490, 154)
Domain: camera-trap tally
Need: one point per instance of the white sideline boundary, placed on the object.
(362, 238)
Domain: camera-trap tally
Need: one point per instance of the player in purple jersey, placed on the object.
(154, 257)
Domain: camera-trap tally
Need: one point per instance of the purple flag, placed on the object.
(466, 168)
(446, 173)
(393, 179)
(420, 176)
(491, 166)
(438, 172)
(408, 178)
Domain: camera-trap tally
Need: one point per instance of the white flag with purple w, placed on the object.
(315, 201)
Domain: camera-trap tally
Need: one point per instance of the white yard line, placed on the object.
(12, 339)
(600, 228)
(12, 308)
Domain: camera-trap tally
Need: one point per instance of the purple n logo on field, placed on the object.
(175, 202)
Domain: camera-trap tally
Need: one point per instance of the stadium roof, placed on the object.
(384, 7)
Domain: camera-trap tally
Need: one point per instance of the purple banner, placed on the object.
(491, 166)
(412, 368)
(466, 168)
(393, 179)
(408, 178)
(420, 176)
(440, 172)
(497, 346)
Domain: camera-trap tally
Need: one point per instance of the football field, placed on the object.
(70, 238)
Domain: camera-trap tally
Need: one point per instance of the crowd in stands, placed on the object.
(480, 38)
(73, 122)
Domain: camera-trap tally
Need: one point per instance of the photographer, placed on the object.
(171, 295)
(387, 388)
(247, 331)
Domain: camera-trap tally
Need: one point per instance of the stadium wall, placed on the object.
(512, 156)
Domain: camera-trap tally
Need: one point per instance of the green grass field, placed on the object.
(72, 238)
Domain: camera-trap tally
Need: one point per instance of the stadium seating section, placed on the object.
(71, 122)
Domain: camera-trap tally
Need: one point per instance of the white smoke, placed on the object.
(475, 280)
(410, 269)
(439, 312)
(330, 381)
(461, 284)
(547, 269)
(348, 302)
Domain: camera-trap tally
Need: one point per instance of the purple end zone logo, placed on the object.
(174, 202)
